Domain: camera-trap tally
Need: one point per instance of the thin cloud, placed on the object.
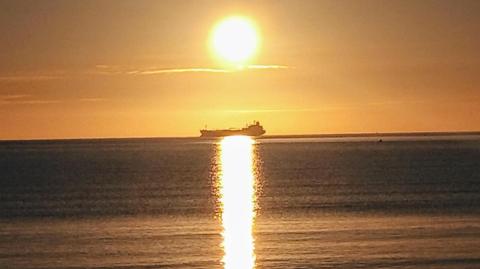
(37, 102)
(271, 66)
(29, 102)
(102, 69)
(13, 96)
(179, 70)
(16, 78)
(23, 99)
(206, 70)
(115, 70)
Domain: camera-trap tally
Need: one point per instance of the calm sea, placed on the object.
(271, 203)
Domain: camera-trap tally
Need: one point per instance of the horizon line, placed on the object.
(318, 135)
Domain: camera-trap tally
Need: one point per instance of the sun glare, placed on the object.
(237, 196)
(235, 40)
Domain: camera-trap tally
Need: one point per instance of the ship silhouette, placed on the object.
(254, 129)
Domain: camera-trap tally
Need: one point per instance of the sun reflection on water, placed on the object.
(237, 198)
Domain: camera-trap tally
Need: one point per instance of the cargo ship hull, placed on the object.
(252, 130)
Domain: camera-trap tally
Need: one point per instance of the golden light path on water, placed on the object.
(237, 197)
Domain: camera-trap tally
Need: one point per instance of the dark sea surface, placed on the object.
(407, 202)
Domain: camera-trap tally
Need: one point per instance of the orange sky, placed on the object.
(73, 69)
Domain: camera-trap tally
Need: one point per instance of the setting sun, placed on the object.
(235, 40)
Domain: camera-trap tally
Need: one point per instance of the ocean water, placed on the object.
(269, 203)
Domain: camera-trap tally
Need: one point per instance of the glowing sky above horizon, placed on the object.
(145, 68)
